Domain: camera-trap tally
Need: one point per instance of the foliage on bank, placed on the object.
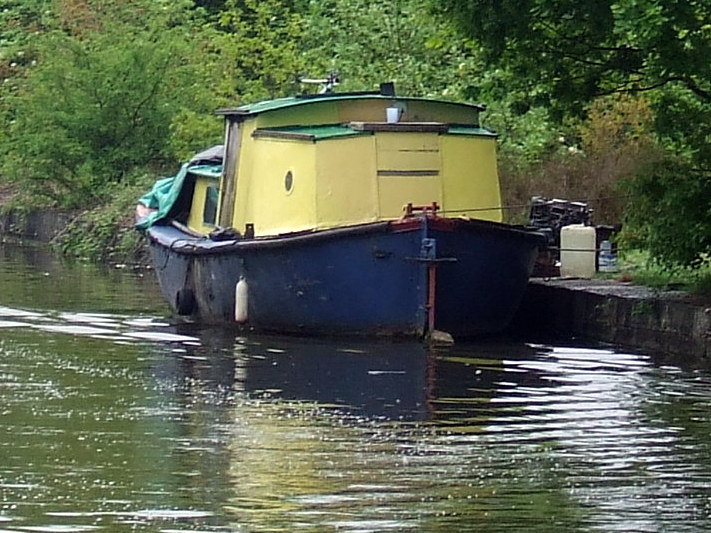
(105, 233)
(566, 55)
(605, 102)
(638, 267)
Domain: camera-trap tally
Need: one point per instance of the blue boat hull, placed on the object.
(388, 278)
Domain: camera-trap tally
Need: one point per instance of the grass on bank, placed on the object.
(106, 233)
(639, 268)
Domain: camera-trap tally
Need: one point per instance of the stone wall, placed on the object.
(37, 225)
(668, 322)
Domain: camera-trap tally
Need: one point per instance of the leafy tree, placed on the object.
(100, 101)
(211, 6)
(19, 22)
(258, 43)
(564, 54)
(370, 42)
(266, 46)
(580, 50)
(589, 160)
(671, 213)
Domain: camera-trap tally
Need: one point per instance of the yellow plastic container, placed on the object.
(577, 251)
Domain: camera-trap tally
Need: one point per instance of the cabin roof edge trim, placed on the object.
(251, 110)
(314, 133)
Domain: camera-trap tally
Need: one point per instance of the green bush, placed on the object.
(105, 233)
(98, 104)
(670, 214)
(639, 267)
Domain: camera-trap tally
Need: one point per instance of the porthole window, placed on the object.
(288, 181)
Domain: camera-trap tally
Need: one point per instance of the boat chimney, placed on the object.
(387, 88)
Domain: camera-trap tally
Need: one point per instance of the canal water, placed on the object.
(114, 418)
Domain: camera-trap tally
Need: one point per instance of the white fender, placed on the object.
(241, 300)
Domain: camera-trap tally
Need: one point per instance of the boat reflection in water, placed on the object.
(361, 436)
(346, 435)
(480, 437)
(405, 380)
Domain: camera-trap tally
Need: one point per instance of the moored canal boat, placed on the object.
(342, 213)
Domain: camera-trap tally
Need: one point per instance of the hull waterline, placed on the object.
(405, 278)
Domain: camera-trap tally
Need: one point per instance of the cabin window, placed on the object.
(289, 181)
(209, 212)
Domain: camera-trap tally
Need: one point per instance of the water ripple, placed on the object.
(123, 423)
(114, 328)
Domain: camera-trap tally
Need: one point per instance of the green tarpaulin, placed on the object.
(162, 197)
(165, 192)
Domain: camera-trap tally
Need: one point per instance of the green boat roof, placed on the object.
(470, 130)
(293, 101)
(309, 133)
(331, 131)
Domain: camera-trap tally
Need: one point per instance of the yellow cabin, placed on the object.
(328, 160)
